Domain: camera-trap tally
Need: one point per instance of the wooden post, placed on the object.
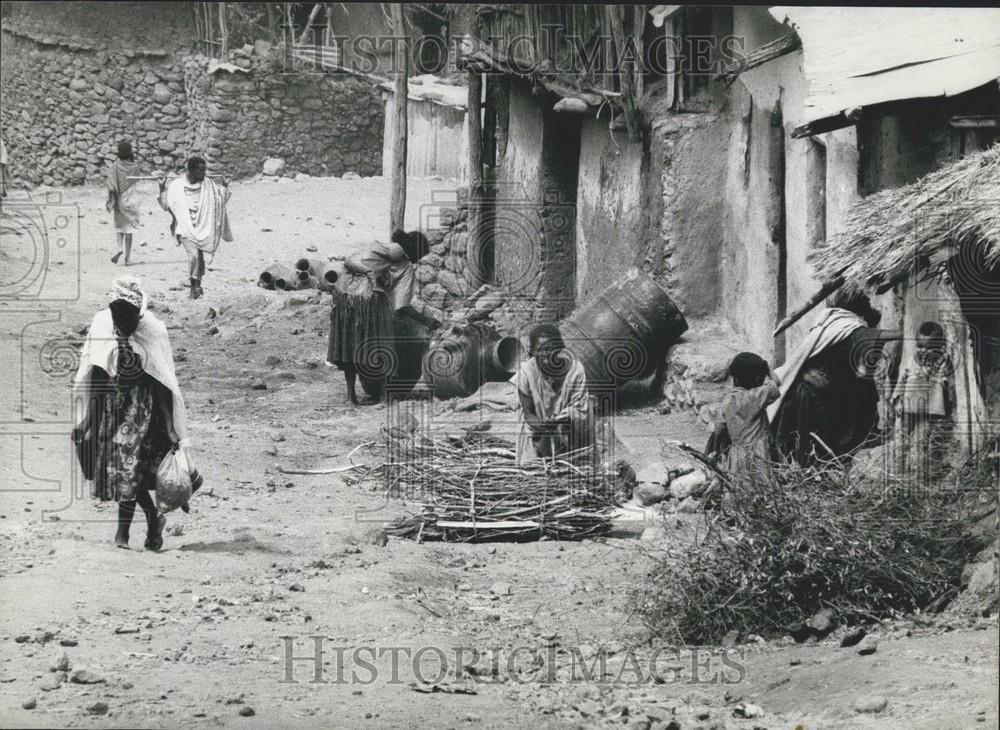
(614, 14)
(223, 32)
(475, 120)
(397, 205)
(473, 115)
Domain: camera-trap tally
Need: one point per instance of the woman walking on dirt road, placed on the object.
(123, 200)
(134, 412)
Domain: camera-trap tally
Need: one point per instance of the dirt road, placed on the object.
(269, 565)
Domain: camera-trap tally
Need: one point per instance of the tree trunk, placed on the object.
(397, 205)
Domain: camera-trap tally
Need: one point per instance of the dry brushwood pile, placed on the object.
(802, 539)
(470, 488)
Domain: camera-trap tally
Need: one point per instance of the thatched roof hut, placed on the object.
(896, 232)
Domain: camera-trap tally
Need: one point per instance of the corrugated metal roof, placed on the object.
(856, 56)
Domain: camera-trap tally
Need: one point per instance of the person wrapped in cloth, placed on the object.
(200, 222)
(133, 409)
(555, 411)
(375, 286)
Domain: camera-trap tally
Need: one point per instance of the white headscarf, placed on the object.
(150, 341)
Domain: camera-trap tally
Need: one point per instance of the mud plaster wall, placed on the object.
(518, 228)
(816, 193)
(685, 235)
(610, 226)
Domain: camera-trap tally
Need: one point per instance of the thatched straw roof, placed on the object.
(897, 231)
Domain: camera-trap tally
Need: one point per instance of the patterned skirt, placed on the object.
(132, 439)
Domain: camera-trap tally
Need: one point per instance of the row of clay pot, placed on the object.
(307, 274)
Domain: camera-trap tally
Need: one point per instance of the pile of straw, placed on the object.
(470, 488)
(898, 231)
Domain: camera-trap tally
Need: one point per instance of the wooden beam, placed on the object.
(982, 121)
(825, 290)
(763, 54)
(400, 128)
(614, 14)
(828, 124)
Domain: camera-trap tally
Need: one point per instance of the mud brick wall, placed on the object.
(319, 124)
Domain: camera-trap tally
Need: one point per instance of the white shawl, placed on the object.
(212, 223)
(151, 344)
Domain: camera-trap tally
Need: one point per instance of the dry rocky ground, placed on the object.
(94, 636)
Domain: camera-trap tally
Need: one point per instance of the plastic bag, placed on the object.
(173, 481)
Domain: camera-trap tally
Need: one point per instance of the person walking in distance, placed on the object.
(123, 200)
(200, 220)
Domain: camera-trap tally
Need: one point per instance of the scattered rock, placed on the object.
(871, 705)
(690, 504)
(798, 631)
(175, 530)
(500, 589)
(853, 638)
(213, 330)
(272, 361)
(127, 630)
(29, 704)
(247, 711)
(85, 676)
(376, 536)
(311, 249)
(822, 622)
(747, 711)
(68, 642)
(867, 646)
(649, 494)
(22, 639)
(297, 588)
(258, 385)
(731, 638)
(98, 708)
(60, 662)
(52, 682)
(273, 166)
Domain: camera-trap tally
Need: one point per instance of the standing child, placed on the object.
(925, 404)
(743, 418)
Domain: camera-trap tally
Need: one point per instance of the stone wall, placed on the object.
(65, 105)
(318, 123)
(78, 77)
(444, 277)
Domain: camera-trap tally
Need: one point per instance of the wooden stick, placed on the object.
(828, 287)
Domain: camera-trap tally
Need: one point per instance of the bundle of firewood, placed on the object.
(470, 488)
